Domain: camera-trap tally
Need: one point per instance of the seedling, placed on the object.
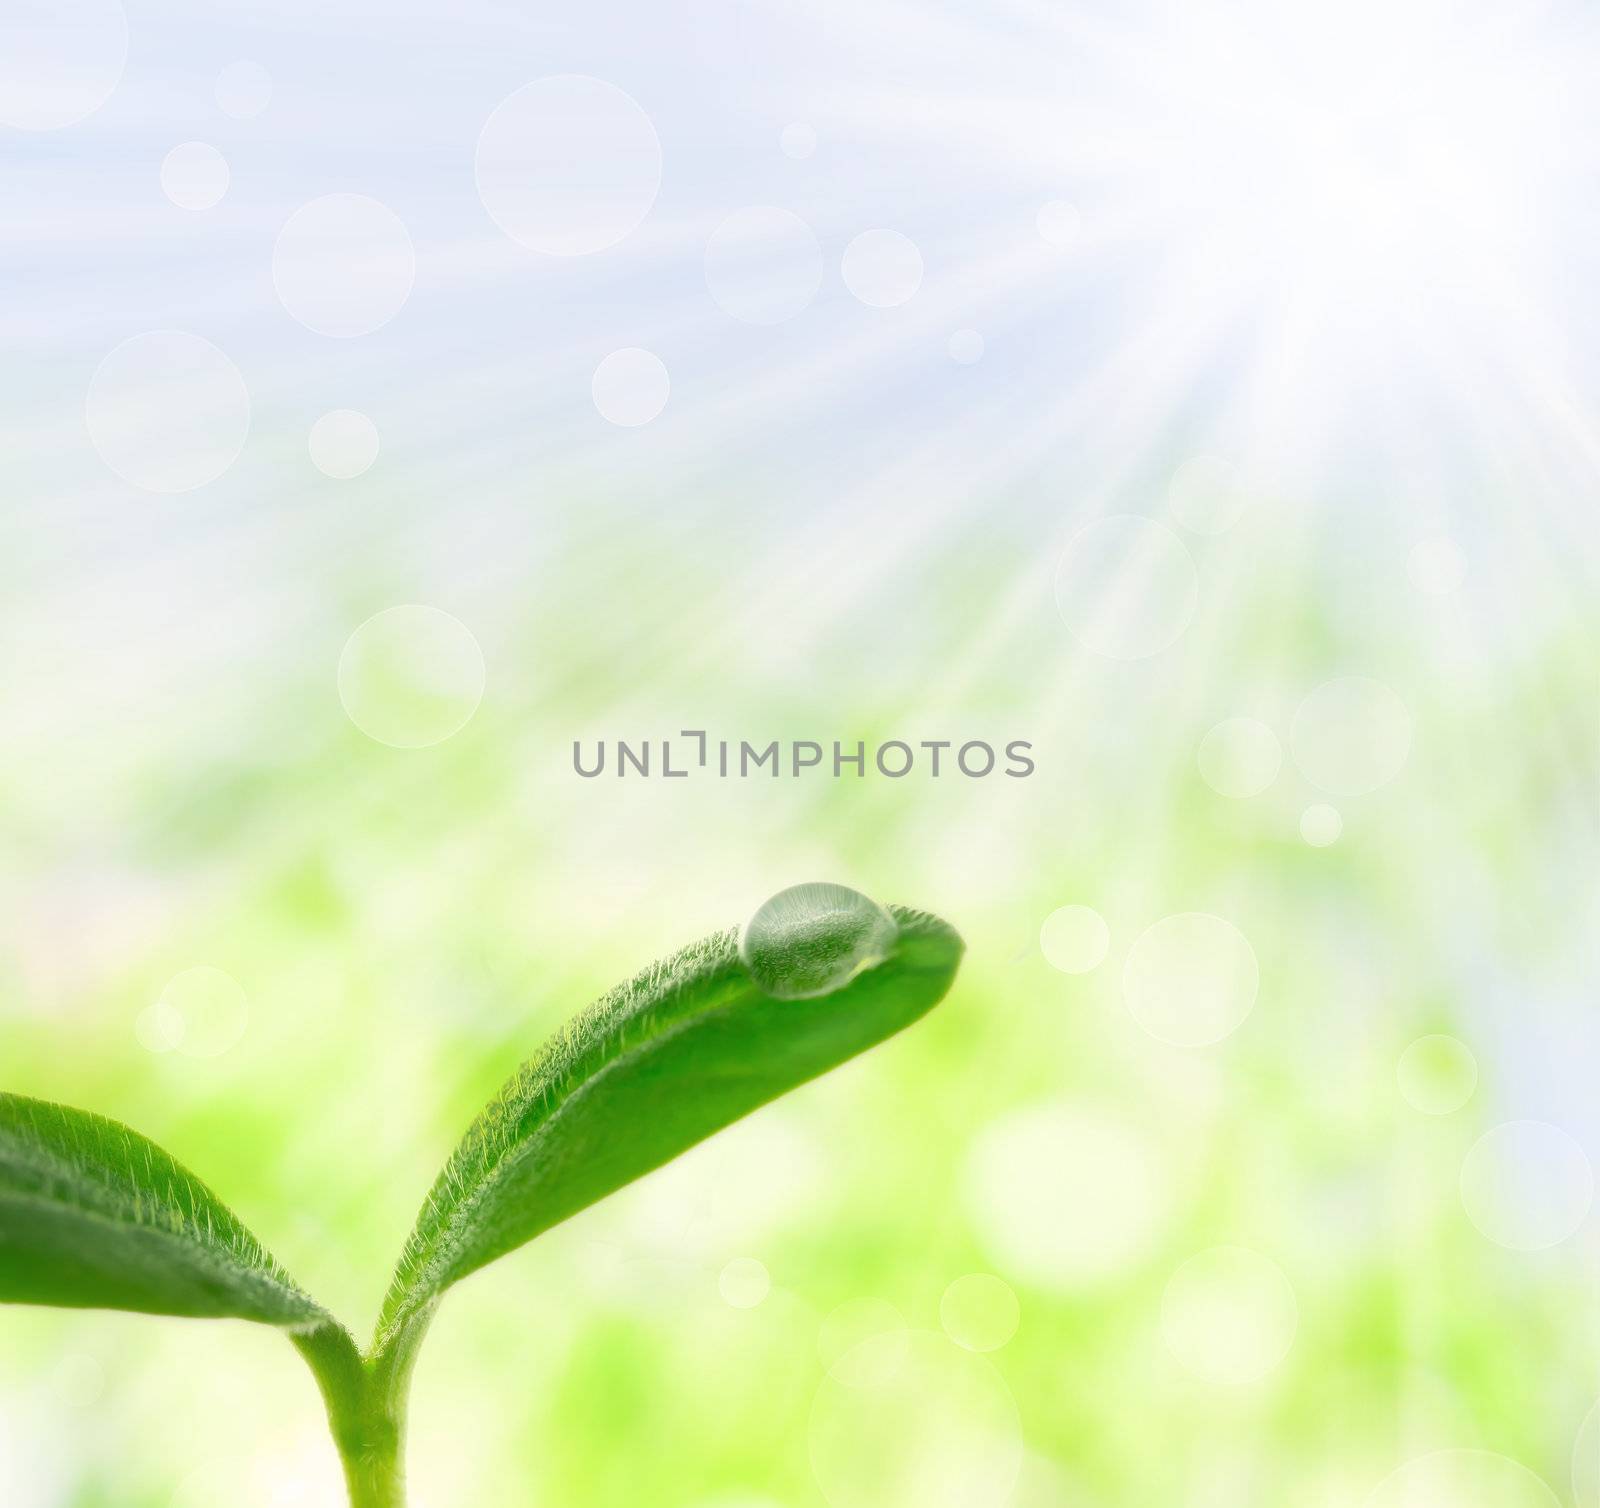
(92, 1215)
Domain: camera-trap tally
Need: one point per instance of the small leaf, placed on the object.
(93, 1215)
(684, 1049)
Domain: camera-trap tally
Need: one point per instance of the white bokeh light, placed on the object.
(1527, 1185)
(343, 443)
(158, 1027)
(1126, 587)
(194, 175)
(167, 411)
(1462, 1479)
(1586, 1461)
(568, 165)
(1321, 825)
(203, 1011)
(343, 265)
(979, 1311)
(845, 1327)
(243, 90)
(915, 1422)
(965, 348)
(1343, 157)
(1351, 735)
(630, 387)
(60, 60)
(1229, 1315)
(1206, 495)
(1059, 222)
(1239, 757)
(744, 1283)
(1437, 1074)
(882, 268)
(1074, 939)
(1190, 979)
(1065, 1195)
(763, 265)
(411, 676)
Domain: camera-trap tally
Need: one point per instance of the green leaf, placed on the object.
(93, 1215)
(682, 1050)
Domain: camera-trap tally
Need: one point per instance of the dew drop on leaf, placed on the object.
(813, 939)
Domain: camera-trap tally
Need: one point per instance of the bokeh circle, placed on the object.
(1527, 1185)
(411, 676)
(1229, 1315)
(883, 268)
(631, 387)
(1462, 1479)
(1350, 735)
(1190, 979)
(763, 265)
(60, 60)
(167, 411)
(568, 165)
(344, 265)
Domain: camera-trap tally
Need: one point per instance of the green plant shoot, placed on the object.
(93, 1215)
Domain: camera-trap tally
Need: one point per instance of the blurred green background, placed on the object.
(1264, 1269)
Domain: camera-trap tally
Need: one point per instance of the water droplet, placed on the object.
(813, 939)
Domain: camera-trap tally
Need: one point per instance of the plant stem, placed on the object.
(366, 1403)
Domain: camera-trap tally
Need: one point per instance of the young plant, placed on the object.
(92, 1215)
